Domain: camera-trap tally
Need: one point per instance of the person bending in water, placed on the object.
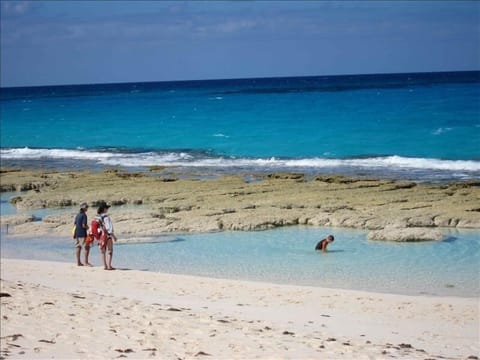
(322, 244)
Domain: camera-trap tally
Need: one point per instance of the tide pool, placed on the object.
(287, 256)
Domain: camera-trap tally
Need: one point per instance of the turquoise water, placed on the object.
(7, 208)
(423, 127)
(287, 256)
(418, 126)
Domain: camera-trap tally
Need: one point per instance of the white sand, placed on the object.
(59, 310)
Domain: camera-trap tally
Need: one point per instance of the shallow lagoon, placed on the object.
(287, 256)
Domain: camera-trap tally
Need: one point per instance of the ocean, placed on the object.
(421, 126)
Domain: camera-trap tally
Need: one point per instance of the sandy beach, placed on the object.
(58, 310)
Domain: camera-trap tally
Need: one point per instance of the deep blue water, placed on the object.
(419, 126)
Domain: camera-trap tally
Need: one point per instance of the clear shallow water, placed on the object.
(287, 256)
(7, 208)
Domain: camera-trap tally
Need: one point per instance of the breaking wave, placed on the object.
(190, 158)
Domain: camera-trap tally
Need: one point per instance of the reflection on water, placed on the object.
(287, 256)
(450, 239)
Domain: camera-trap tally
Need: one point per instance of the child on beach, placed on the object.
(105, 235)
(322, 244)
(80, 234)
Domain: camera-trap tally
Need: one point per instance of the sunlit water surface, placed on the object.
(287, 256)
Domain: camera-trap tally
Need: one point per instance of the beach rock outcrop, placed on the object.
(16, 219)
(406, 234)
(145, 204)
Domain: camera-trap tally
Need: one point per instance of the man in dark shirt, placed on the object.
(80, 234)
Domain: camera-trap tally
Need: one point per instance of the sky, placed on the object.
(84, 42)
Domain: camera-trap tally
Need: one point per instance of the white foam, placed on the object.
(441, 130)
(187, 159)
(107, 158)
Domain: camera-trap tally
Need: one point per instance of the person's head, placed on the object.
(330, 238)
(102, 207)
(84, 206)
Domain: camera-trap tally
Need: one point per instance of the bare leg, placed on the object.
(87, 252)
(77, 253)
(110, 253)
(110, 260)
(104, 258)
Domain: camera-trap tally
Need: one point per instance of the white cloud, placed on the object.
(235, 26)
(15, 7)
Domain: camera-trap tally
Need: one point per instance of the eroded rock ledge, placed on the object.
(406, 234)
(151, 203)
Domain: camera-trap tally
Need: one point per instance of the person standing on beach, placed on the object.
(105, 236)
(322, 244)
(80, 234)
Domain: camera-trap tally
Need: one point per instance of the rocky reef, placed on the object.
(149, 203)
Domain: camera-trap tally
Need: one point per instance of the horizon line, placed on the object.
(241, 78)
